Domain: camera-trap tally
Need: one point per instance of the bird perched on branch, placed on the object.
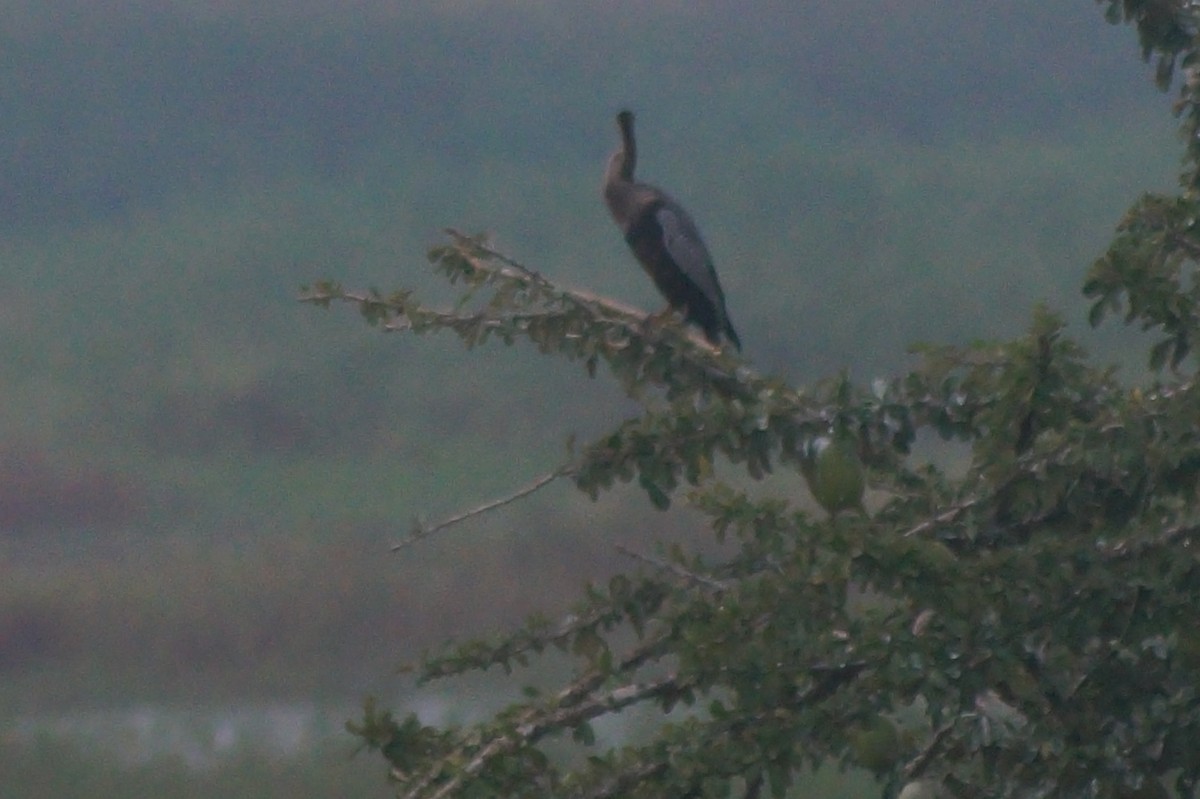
(666, 242)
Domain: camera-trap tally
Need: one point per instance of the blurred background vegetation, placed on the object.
(199, 477)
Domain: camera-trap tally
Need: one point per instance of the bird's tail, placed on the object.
(732, 335)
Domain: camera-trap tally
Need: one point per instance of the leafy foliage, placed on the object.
(1025, 628)
(1149, 267)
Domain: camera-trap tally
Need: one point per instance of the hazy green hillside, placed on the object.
(199, 477)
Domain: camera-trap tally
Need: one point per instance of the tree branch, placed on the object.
(917, 766)
(1121, 550)
(534, 729)
(677, 569)
(421, 531)
(945, 517)
(471, 248)
(828, 680)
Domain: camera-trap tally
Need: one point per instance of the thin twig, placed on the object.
(465, 242)
(917, 766)
(647, 651)
(675, 568)
(1120, 550)
(422, 531)
(942, 518)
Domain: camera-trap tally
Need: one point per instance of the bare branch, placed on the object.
(945, 517)
(468, 246)
(421, 531)
(644, 653)
(634, 319)
(917, 766)
(675, 568)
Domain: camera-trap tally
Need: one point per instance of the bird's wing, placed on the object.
(686, 248)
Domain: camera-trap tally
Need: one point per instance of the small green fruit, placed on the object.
(834, 473)
(877, 746)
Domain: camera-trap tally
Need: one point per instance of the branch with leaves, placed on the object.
(1018, 623)
(1060, 456)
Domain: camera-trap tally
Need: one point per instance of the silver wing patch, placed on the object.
(683, 242)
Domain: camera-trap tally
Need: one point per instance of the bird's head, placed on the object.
(625, 123)
(624, 161)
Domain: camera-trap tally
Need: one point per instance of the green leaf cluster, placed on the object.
(1024, 626)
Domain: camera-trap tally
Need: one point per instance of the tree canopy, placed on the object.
(1022, 625)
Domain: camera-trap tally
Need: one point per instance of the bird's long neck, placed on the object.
(621, 191)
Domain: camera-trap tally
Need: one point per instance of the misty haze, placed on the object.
(201, 478)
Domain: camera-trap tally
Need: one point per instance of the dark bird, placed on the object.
(666, 242)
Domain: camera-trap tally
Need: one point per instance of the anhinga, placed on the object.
(665, 241)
